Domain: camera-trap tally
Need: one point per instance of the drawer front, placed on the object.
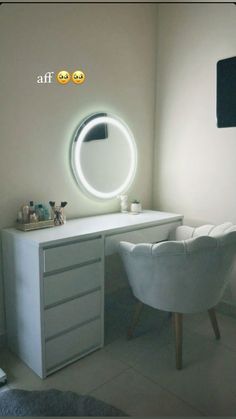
(73, 344)
(72, 254)
(72, 313)
(143, 235)
(67, 284)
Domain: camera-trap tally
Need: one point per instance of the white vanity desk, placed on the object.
(54, 283)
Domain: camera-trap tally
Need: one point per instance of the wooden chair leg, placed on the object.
(214, 322)
(136, 316)
(178, 328)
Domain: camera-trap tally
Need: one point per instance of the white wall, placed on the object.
(115, 46)
(195, 162)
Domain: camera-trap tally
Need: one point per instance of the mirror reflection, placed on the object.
(104, 156)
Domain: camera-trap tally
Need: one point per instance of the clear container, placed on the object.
(25, 214)
(40, 212)
(31, 208)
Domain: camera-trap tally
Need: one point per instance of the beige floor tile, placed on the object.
(81, 376)
(86, 374)
(191, 322)
(18, 374)
(207, 380)
(146, 345)
(131, 351)
(139, 375)
(138, 396)
(227, 326)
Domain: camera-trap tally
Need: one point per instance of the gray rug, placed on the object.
(53, 403)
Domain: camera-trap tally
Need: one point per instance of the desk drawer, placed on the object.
(72, 254)
(68, 284)
(73, 344)
(62, 317)
(142, 235)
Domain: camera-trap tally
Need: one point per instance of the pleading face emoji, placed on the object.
(63, 77)
(78, 77)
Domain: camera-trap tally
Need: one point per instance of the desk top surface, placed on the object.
(107, 224)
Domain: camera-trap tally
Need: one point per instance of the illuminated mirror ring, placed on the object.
(79, 139)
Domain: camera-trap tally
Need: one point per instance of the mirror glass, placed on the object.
(104, 156)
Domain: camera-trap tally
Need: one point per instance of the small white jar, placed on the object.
(136, 208)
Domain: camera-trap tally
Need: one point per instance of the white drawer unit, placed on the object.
(73, 344)
(74, 282)
(54, 283)
(73, 313)
(72, 254)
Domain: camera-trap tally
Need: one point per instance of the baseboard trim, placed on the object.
(227, 309)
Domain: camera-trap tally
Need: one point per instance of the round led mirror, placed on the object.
(104, 156)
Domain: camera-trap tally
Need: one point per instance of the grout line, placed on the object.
(132, 367)
(210, 338)
(109, 380)
(151, 381)
(170, 392)
(125, 362)
(129, 366)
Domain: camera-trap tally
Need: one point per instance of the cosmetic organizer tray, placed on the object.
(35, 226)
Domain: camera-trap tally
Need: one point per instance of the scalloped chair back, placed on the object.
(186, 274)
